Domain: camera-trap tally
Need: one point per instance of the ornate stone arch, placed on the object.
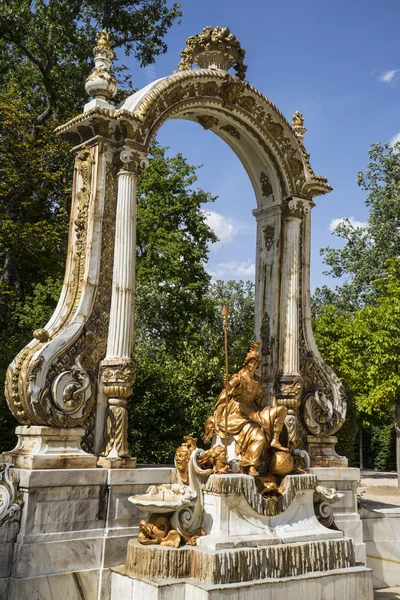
(79, 370)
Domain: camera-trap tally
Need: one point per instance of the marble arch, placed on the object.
(72, 381)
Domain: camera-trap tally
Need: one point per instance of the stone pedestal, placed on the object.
(75, 525)
(49, 448)
(353, 583)
(254, 547)
(381, 528)
(322, 452)
(345, 510)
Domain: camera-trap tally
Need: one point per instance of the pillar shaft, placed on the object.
(121, 331)
(289, 332)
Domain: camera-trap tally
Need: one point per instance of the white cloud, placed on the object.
(335, 222)
(223, 227)
(227, 228)
(394, 139)
(233, 270)
(388, 76)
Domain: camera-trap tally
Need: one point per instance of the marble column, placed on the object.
(289, 380)
(289, 318)
(118, 367)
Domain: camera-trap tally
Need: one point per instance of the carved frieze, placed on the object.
(269, 235)
(231, 130)
(207, 121)
(266, 187)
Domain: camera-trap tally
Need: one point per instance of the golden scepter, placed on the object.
(224, 313)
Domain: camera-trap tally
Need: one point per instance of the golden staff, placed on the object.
(224, 313)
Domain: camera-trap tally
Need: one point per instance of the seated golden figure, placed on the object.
(254, 426)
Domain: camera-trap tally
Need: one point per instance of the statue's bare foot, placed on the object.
(275, 444)
(253, 472)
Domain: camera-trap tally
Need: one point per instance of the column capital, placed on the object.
(133, 161)
(295, 208)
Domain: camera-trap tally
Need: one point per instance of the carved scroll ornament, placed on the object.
(10, 497)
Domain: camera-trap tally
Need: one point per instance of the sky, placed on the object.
(338, 63)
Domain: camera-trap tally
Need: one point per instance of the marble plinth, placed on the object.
(347, 518)
(347, 584)
(323, 454)
(75, 525)
(49, 448)
(236, 515)
(238, 564)
(381, 527)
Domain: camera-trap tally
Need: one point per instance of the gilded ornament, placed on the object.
(118, 379)
(207, 121)
(182, 457)
(230, 93)
(266, 187)
(214, 48)
(298, 125)
(231, 130)
(215, 459)
(41, 335)
(101, 83)
(158, 531)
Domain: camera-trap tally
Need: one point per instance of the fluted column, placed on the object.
(290, 383)
(289, 333)
(118, 367)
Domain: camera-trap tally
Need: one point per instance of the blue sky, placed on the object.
(338, 63)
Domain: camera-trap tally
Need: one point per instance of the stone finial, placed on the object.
(214, 48)
(298, 125)
(101, 84)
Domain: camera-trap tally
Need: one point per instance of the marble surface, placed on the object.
(230, 520)
(382, 536)
(350, 584)
(73, 522)
(81, 585)
(347, 519)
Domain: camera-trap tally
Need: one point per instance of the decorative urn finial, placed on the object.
(298, 125)
(214, 48)
(101, 84)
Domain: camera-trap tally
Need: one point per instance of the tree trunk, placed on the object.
(398, 441)
(361, 448)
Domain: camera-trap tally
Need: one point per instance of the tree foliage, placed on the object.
(362, 258)
(176, 387)
(47, 44)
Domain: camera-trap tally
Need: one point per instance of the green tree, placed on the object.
(45, 57)
(363, 257)
(364, 350)
(176, 387)
(47, 44)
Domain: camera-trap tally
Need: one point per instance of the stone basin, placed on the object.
(164, 498)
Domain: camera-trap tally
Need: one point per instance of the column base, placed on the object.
(116, 462)
(322, 452)
(41, 447)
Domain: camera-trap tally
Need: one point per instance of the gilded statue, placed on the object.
(216, 459)
(158, 531)
(241, 412)
(182, 457)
